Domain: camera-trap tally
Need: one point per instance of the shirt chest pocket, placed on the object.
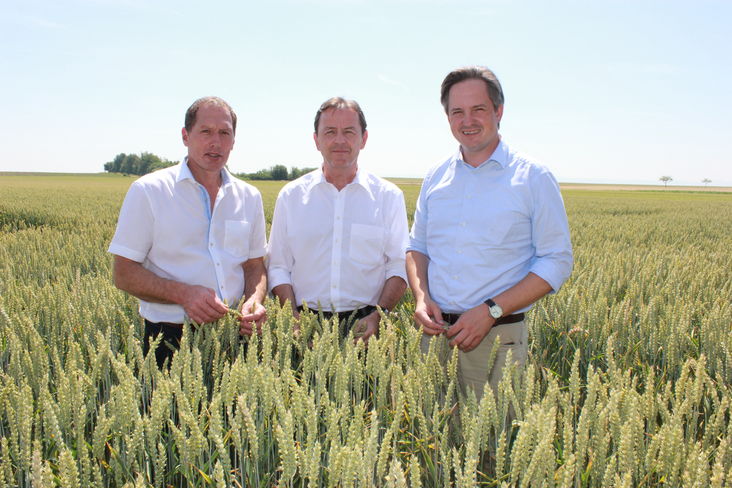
(236, 238)
(367, 244)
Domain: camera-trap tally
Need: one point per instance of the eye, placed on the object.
(205, 131)
(456, 112)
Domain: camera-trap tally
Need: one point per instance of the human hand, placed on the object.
(428, 314)
(202, 305)
(253, 314)
(366, 327)
(471, 328)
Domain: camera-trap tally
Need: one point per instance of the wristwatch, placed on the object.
(495, 309)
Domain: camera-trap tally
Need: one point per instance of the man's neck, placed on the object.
(340, 177)
(477, 158)
(211, 180)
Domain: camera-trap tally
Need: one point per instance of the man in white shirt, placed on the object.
(490, 236)
(190, 240)
(339, 233)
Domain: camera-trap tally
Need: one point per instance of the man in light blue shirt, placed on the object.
(490, 236)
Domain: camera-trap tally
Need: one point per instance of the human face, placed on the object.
(473, 120)
(210, 141)
(339, 138)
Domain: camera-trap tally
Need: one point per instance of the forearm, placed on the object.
(417, 264)
(132, 277)
(522, 294)
(255, 280)
(285, 294)
(392, 292)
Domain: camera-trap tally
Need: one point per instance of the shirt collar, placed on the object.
(184, 173)
(500, 155)
(361, 179)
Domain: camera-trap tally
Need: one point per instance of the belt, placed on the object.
(163, 324)
(451, 318)
(359, 313)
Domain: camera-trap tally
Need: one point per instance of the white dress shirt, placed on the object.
(484, 229)
(337, 248)
(166, 223)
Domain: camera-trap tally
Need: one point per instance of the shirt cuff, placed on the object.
(126, 252)
(277, 277)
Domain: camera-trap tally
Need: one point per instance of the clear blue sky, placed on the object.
(615, 91)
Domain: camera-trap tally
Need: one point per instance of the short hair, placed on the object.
(495, 92)
(192, 111)
(340, 103)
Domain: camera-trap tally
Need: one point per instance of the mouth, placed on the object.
(213, 155)
(470, 132)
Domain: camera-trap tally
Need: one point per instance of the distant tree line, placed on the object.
(276, 172)
(133, 164)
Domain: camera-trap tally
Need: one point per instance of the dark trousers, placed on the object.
(172, 335)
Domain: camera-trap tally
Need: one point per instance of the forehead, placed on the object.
(468, 93)
(338, 117)
(213, 115)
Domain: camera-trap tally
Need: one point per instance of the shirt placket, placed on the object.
(214, 247)
(337, 246)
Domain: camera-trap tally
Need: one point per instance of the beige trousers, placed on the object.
(473, 368)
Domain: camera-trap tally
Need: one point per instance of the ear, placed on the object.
(315, 138)
(499, 113)
(363, 138)
(184, 134)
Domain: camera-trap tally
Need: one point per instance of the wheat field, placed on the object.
(628, 382)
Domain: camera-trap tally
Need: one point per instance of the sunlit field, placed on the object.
(628, 382)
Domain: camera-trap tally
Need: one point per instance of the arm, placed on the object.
(255, 289)
(475, 324)
(286, 294)
(200, 303)
(392, 292)
(426, 312)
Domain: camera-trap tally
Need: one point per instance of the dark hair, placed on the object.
(192, 111)
(495, 92)
(340, 102)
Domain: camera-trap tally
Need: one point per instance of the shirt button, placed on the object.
(460, 251)
(218, 264)
(454, 277)
(462, 224)
(210, 244)
(333, 286)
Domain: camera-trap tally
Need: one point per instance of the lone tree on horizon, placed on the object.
(706, 181)
(665, 180)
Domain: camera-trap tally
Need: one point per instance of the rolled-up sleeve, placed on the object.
(134, 234)
(279, 255)
(258, 236)
(553, 260)
(397, 237)
(418, 235)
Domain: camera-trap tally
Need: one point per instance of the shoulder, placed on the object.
(436, 172)
(379, 184)
(527, 166)
(244, 188)
(159, 180)
(299, 185)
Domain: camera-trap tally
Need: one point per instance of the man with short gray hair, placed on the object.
(490, 236)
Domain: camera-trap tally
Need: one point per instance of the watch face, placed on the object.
(496, 311)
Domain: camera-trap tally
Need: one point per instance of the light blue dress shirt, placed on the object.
(484, 229)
